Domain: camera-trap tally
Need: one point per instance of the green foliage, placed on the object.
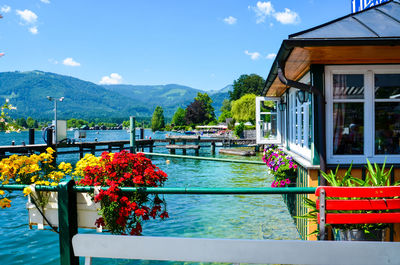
(76, 123)
(209, 109)
(179, 117)
(126, 124)
(239, 130)
(31, 123)
(376, 176)
(247, 84)
(21, 122)
(244, 109)
(231, 124)
(157, 121)
(225, 111)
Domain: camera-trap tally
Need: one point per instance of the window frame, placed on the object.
(298, 126)
(259, 139)
(369, 72)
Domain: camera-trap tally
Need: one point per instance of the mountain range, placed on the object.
(82, 99)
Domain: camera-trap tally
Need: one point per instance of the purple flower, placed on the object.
(283, 183)
(287, 181)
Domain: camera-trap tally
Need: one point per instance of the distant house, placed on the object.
(336, 93)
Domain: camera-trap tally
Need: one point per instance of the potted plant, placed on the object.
(281, 166)
(123, 212)
(376, 176)
(34, 170)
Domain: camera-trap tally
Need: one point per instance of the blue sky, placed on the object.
(203, 44)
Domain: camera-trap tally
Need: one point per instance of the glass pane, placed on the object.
(387, 86)
(387, 127)
(348, 128)
(269, 126)
(269, 106)
(348, 86)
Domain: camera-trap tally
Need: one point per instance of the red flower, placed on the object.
(100, 222)
(140, 212)
(164, 215)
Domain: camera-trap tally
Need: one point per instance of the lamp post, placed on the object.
(55, 113)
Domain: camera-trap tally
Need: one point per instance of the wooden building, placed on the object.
(336, 93)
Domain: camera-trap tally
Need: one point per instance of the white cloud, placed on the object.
(265, 9)
(270, 56)
(230, 20)
(253, 55)
(33, 30)
(27, 16)
(262, 10)
(70, 62)
(113, 79)
(45, 1)
(287, 17)
(5, 9)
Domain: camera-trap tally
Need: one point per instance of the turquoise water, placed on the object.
(206, 216)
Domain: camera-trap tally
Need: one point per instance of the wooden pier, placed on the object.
(140, 145)
(77, 147)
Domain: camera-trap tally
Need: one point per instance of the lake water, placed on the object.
(205, 216)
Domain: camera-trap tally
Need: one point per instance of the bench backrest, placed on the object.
(347, 199)
(235, 250)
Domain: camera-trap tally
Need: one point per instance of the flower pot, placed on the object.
(87, 211)
(359, 235)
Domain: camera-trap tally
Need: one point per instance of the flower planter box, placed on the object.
(359, 235)
(87, 212)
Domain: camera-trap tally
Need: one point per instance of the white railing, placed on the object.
(236, 250)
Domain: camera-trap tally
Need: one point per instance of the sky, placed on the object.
(203, 44)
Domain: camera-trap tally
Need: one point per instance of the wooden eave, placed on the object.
(300, 59)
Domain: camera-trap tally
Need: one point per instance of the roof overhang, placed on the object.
(296, 56)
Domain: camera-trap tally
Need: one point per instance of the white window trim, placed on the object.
(369, 112)
(260, 140)
(303, 151)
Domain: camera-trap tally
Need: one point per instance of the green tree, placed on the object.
(21, 122)
(31, 122)
(207, 101)
(247, 84)
(225, 111)
(244, 109)
(76, 123)
(179, 117)
(157, 121)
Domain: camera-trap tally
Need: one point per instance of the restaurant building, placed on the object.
(336, 93)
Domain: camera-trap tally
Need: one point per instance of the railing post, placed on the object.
(68, 222)
(322, 212)
(133, 134)
(31, 136)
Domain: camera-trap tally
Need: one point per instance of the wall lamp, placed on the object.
(282, 105)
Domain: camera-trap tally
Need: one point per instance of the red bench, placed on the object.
(355, 199)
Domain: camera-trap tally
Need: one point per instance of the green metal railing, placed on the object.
(207, 158)
(67, 211)
(185, 190)
(295, 202)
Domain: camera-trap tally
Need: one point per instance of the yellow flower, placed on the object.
(1, 192)
(50, 150)
(5, 203)
(27, 191)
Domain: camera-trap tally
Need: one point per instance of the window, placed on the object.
(362, 113)
(267, 121)
(300, 123)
